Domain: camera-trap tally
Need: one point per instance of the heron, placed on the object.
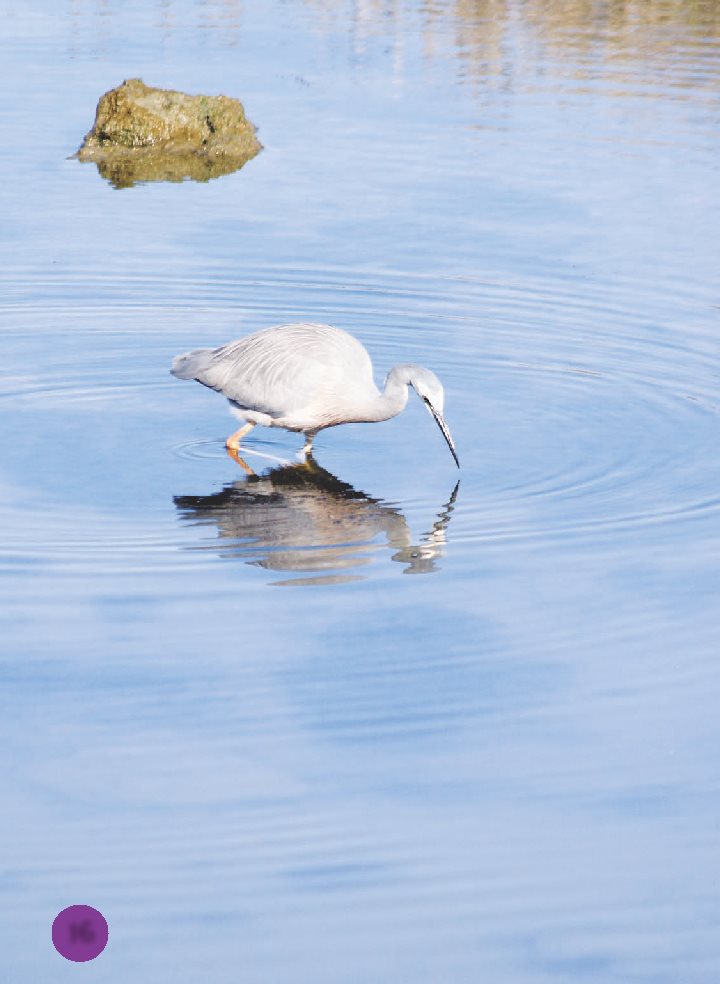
(306, 377)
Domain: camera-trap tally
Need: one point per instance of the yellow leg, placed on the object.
(232, 453)
(233, 442)
(309, 438)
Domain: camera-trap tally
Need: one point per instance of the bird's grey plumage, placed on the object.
(305, 377)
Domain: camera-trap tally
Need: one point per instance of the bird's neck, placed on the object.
(394, 396)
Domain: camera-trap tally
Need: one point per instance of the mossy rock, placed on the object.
(146, 134)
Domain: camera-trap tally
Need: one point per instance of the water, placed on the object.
(504, 768)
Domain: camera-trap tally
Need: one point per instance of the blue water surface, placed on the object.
(364, 723)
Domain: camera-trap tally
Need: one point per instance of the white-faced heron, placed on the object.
(305, 377)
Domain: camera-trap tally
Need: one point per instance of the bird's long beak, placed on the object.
(440, 421)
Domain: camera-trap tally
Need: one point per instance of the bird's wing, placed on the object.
(287, 367)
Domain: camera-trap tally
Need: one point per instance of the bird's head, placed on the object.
(430, 390)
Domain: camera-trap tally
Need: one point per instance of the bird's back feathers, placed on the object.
(282, 369)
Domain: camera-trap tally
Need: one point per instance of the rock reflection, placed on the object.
(302, 518)
(124, 169)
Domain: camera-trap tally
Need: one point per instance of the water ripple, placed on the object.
(580, 412)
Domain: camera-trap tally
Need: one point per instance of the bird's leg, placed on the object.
(232, 453)
(233, 442)
(309, 437)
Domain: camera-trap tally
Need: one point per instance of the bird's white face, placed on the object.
(429, 388)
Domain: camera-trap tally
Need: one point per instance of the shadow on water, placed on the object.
(304, 519)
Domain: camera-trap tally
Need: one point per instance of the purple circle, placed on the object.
(80, 933)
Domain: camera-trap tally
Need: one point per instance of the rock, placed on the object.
(146, 134)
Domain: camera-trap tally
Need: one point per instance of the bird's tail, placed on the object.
(191, 365)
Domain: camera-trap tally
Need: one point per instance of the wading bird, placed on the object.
(305, 377)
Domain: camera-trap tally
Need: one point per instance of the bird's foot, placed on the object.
(309, 438)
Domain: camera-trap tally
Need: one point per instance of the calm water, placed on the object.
(229, 720)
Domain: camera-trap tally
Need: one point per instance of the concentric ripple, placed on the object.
(577, 414)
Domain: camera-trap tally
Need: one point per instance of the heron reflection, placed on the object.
(301, 518)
